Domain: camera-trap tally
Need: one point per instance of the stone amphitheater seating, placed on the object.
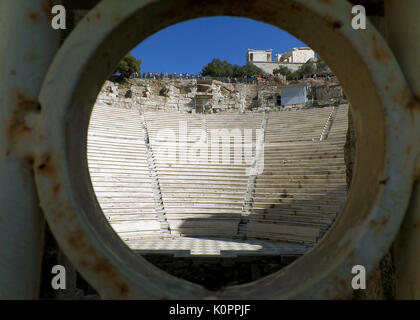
(119, 172)
(295, 199)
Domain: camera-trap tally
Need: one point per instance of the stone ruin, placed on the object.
(187, 96)
(208, 96)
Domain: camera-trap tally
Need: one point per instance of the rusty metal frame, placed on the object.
(402, 34)
(27, 47)
(387, 127)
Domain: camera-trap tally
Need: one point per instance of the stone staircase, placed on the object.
(295, 199)
(118, 167)
(202, 196)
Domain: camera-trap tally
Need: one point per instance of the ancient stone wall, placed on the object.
(208, 96)
(188, 96)
(327, 92)
(269, 67)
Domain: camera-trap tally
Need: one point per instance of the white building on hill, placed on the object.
(293, 59)
(296, 55)
(259, 55)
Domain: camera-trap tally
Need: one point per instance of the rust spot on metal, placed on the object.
(56, 190)
(379, 53)
(46, 167)
(123, 289)
(416, 224)
(100, 265)
(341, 287)
(76, 240)
(16, 123)
(379, 222)
(87, 20)
(98, 15)
(28, 162)
(95, 266)
(384, 181)
(95, 263)
(337, 24)
(26, 104)
(33, 16)
(116, 18)
(17, 127)
(412, 103)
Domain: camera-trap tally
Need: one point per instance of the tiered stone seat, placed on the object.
(302, 187)
(297, 125)
(295, 199)
(201, 198)
(119, 172)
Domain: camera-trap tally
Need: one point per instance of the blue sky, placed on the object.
(188, 46)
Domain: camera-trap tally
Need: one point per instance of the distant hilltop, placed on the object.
(293, 59)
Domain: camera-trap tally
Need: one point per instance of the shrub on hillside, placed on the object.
(128, 66)
(219, 68)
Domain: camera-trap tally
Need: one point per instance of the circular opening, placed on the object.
(228, 173)
(77, 221)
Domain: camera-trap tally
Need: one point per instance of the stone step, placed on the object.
(206, 199)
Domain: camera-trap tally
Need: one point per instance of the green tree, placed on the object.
(219, 68)
(308, 68)
(228, 69)
(128, 66)
(216, 68)
(285, 71)
(250, 69)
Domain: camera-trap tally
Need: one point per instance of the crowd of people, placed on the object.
(200, 76)
(165, 75)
